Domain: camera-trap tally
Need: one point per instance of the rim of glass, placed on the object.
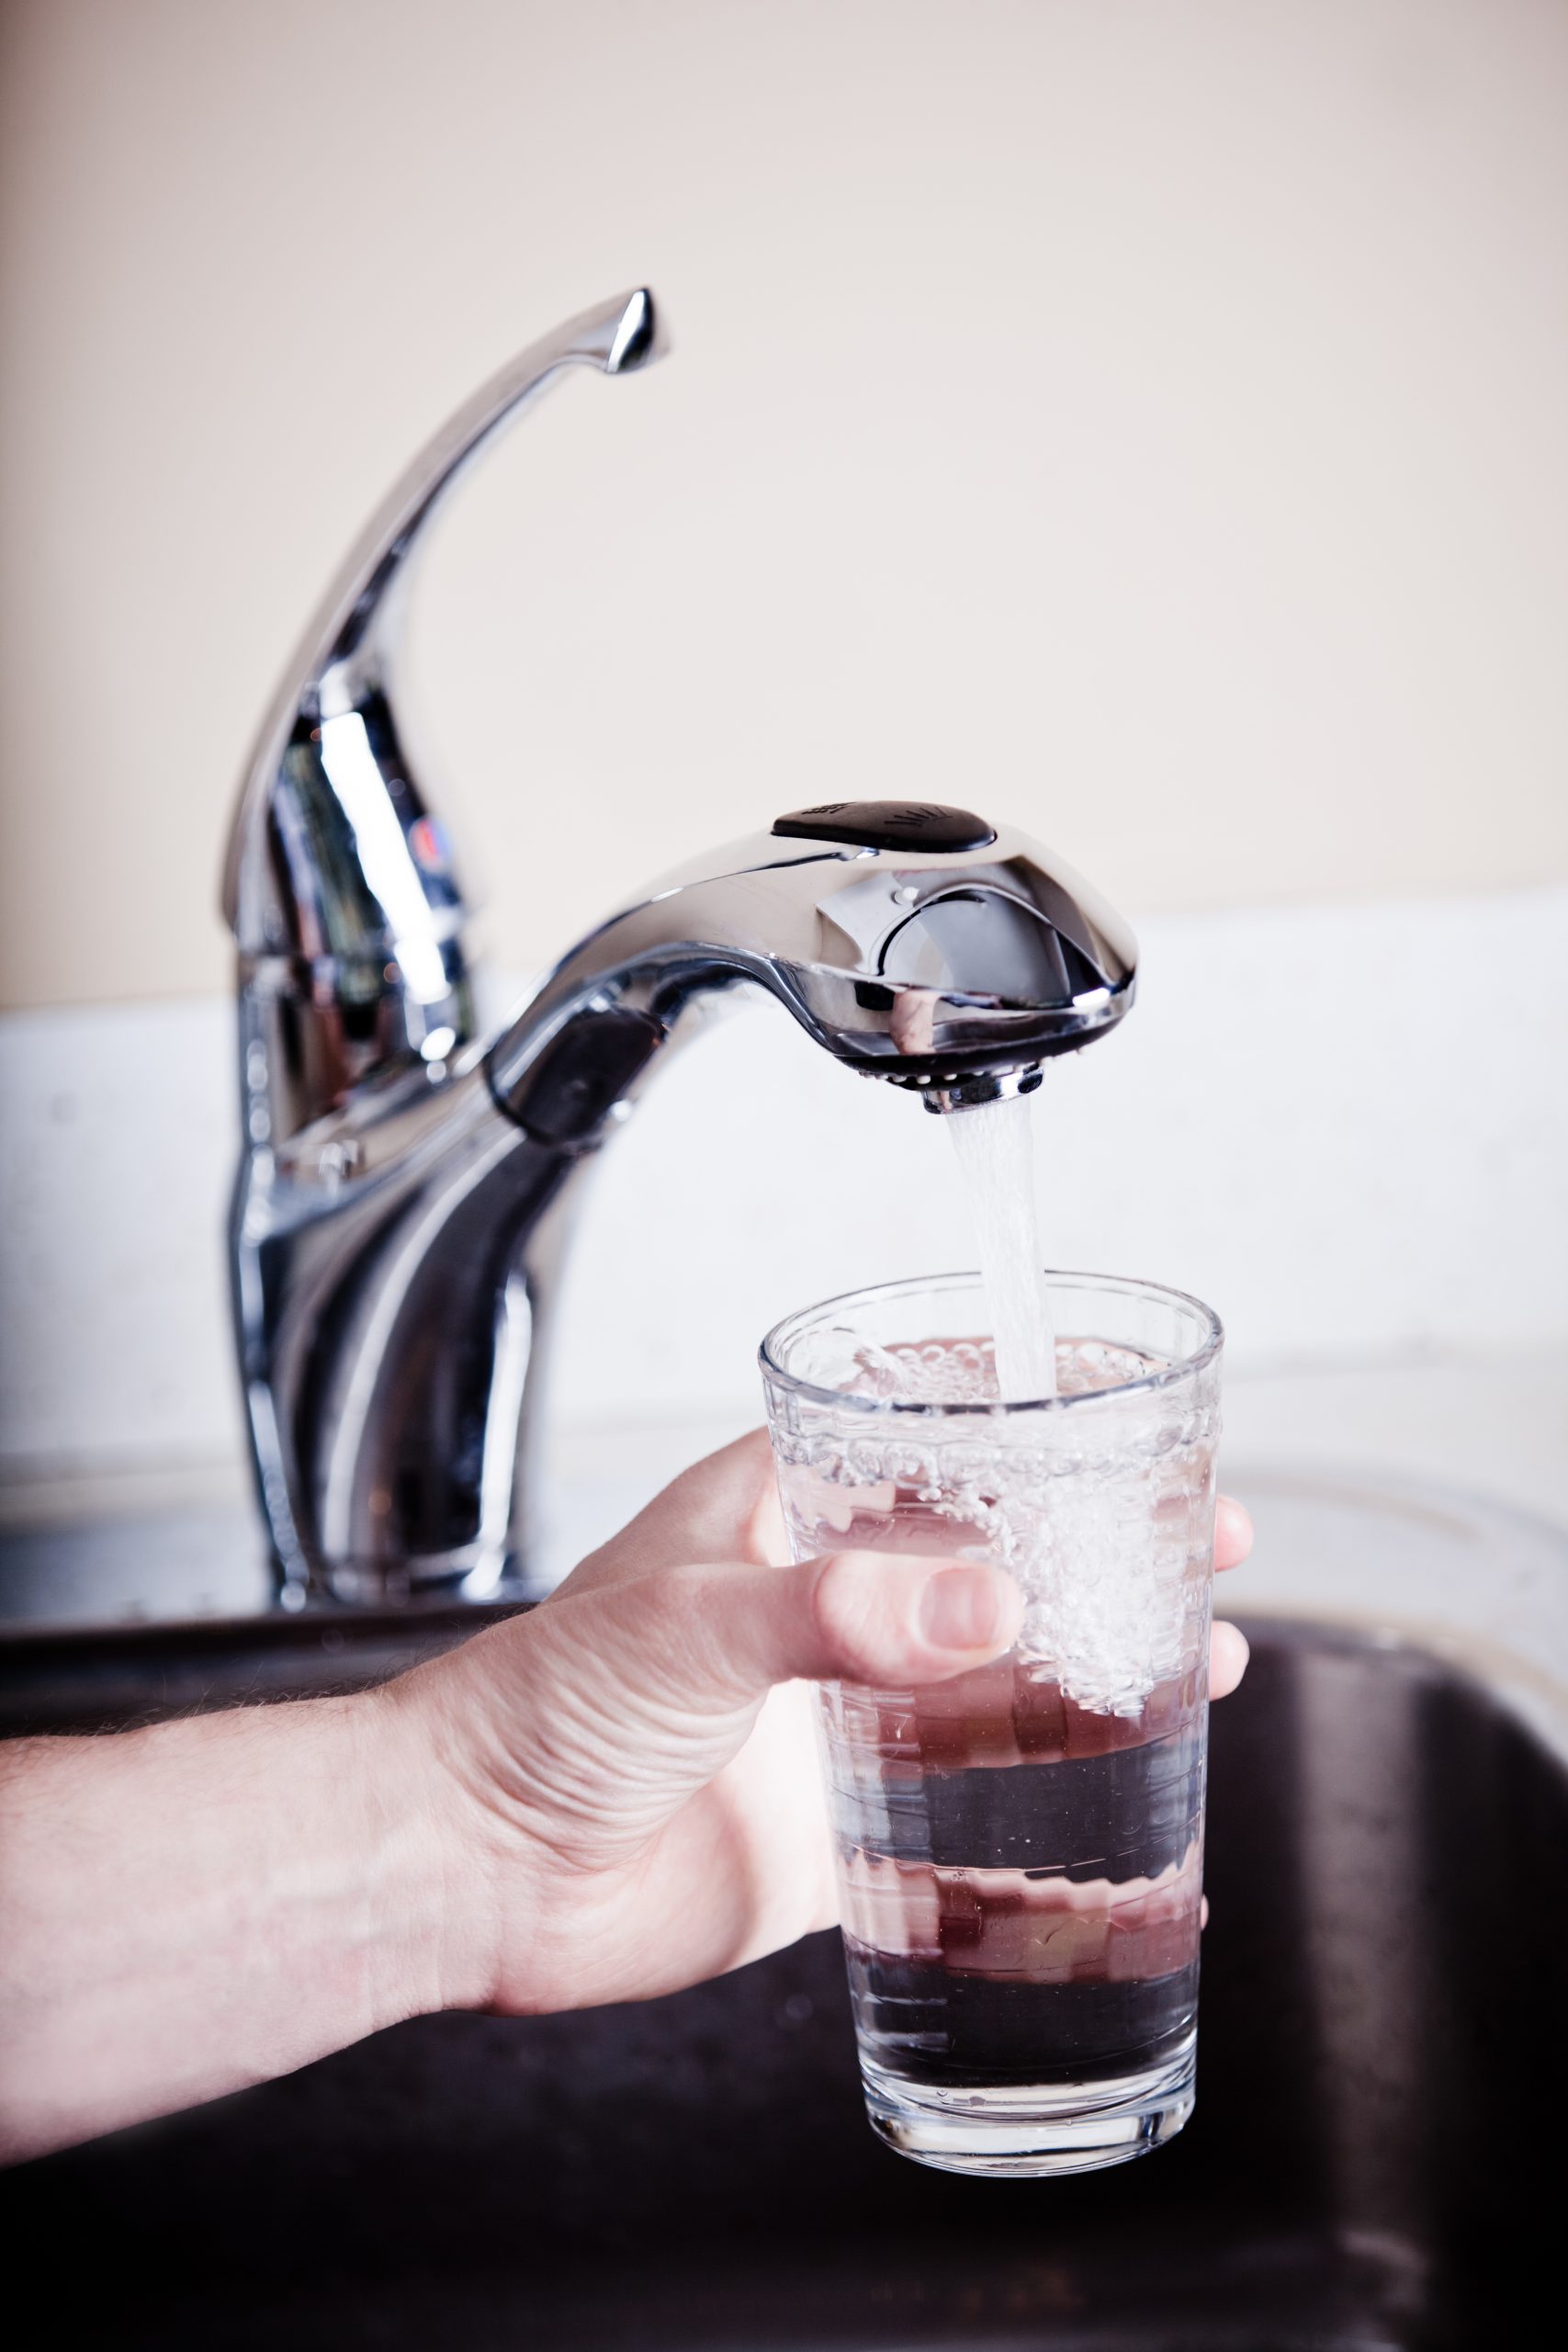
(990, 1409)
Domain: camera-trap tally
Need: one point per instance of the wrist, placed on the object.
(442, 1909)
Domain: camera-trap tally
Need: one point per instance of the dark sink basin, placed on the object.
(1376, 2159)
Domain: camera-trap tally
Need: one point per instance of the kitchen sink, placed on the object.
(1375, 2160)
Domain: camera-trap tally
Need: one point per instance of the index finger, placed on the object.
(725, 1507)
(1232, 1532)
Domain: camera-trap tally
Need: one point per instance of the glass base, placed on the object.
(1028, 2130)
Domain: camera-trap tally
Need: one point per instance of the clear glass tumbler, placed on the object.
(1019, 1850)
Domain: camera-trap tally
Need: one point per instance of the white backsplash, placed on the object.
(1346, 1126)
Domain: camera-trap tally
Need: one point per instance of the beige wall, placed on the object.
(1146, 419)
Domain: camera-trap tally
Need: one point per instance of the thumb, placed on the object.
(711, 1638)
(595, 1718)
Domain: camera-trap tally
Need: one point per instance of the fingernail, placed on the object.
(958, 1609)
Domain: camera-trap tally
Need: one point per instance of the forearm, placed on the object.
(193, 1907)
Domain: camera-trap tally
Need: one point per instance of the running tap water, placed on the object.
(995, 1144)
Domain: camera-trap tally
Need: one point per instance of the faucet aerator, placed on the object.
(955, 1093)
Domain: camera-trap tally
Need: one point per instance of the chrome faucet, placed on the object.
(405, 1186)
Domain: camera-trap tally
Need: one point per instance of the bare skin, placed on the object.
(609, 1798)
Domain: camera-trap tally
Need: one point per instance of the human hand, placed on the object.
(611, 1797)
(625, 1781)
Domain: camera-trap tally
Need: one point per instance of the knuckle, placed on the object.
(845, 1602)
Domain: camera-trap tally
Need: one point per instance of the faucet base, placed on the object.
(470, 1574)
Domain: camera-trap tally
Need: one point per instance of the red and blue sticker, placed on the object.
(432, 850)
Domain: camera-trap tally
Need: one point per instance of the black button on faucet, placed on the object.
(923, 826)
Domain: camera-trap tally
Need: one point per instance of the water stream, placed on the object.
(995, 1145)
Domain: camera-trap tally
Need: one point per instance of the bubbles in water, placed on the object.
(1103, 1519)
(963, 1372)
(931, 1372)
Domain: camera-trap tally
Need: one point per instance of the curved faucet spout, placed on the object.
(922, 945)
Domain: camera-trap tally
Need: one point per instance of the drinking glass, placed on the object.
(1019, 1850)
